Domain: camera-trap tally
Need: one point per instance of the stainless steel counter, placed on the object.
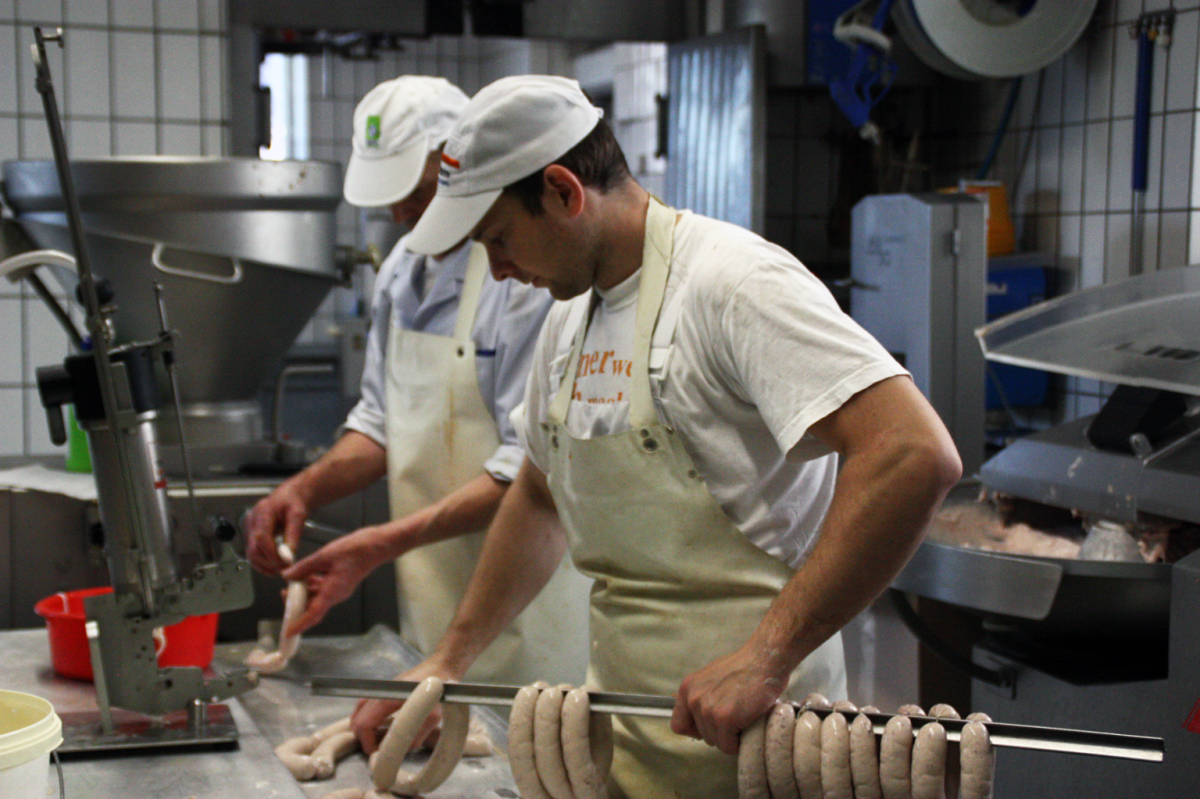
(280, 708)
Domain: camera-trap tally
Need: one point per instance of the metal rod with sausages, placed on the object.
(1015, 736)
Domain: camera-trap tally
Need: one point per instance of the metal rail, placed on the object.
(1014, 736)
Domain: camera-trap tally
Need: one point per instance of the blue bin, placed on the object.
(1011, 289)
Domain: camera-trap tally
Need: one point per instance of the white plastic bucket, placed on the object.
(29, 731)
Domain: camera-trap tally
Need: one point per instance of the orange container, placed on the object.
(188, 643)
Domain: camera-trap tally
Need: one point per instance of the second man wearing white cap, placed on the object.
(736, 463)
(447, 357)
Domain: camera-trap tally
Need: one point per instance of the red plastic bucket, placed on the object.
(188, 643)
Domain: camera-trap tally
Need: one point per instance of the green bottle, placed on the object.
(79, 459)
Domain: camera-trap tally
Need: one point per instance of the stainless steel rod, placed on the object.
(1013, 736)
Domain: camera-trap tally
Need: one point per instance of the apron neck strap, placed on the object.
(468, 302)
(656, 264)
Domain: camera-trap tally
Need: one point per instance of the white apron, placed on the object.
(677, 584)
(439, 435)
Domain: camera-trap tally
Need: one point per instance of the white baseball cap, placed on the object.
(509, 130)
(396, 125)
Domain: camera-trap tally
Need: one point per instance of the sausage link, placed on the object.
(864, 764)
(781, 730)
(752, 764)
(327, 754)
(978, 761)
(520, 744)
(835, 758)
(405, 726)
(547, 744)
(895, 759)
(479, 743)
(806, 755)
(579, 749)
(929, 762)
(445, 757)
(296, 755)
(818, 701)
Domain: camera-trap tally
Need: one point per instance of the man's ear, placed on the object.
(562, 190)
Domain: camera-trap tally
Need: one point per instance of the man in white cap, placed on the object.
(447, 356)
(685, 419)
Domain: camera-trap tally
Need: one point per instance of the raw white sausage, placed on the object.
(330, 751)
(341, 725)
(929, 762)
(295, 754)
(752, 764)
(293, 606)
(818, 701)
(978, 761)
(835, 758)
(895, 759)
(446, 754)
(547, 744)
(845, 706)
(520, 744)
(943, 711)
(405, 725)
(586, 756)
(864, 764)
(479, 743)
(806, 755)
(781, 730)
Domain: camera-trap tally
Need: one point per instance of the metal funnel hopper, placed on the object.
(243, 248)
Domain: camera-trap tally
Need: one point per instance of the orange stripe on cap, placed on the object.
(451, 161)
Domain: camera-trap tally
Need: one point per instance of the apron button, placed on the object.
(461, 352)
(554, 441)
(650, 444)
(645, 433)
(692, 473)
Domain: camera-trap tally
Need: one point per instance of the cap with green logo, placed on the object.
(396, 125)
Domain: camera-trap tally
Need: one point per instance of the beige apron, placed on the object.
(677, 584)
(439, 436)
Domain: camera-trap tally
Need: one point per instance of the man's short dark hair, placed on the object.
(597, 161)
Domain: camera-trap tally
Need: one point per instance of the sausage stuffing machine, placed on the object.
(1096, 629)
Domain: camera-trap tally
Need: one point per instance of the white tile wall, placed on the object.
(133, 13)
(12, 421)
(87, 12)
(178, 14)
(1181, 62)
(86, 89)
(179, 70)
(8, 56)
(1154, 156)
(11, 359)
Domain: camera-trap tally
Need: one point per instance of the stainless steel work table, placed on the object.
(280, 708)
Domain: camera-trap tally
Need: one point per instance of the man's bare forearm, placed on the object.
(887, 491)
(522, 550)
(469, 508)
(352, 464)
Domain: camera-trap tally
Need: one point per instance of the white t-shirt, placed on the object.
(759, 353)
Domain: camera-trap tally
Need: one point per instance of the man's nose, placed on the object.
(502, 268)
